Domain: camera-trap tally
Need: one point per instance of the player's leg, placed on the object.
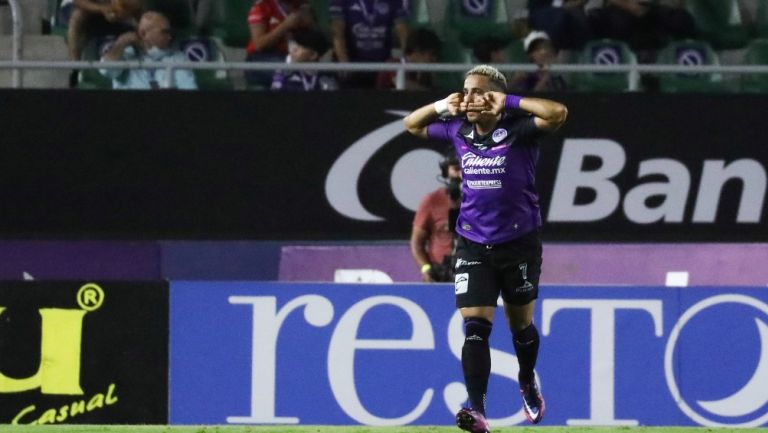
(522, 260)
(477, 292)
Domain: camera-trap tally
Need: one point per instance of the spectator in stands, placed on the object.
(490, 50)
(151, 45)
(363, 32)
(644, 24)
(565, 22)
(542, 52)
(90, 18)
(271, 23)
(306, 46)
(433, 234)
(422, 46)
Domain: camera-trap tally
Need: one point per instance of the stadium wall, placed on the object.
(208, 165)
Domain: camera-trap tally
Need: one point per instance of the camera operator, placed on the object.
(432, 237)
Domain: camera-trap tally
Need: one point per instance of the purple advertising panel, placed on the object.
(643, 264)
(81, 260)
(220, 260)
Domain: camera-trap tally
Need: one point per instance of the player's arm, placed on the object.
(416, 123)
(338, 27)
(549, 115)
(419, 238)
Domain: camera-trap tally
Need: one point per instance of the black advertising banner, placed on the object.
(83, 353)
(339, 166)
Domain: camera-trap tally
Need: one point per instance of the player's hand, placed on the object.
(493, 103)
(455, 101)
(426, 277)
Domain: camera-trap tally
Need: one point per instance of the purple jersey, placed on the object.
(499, 199)
(368, 26)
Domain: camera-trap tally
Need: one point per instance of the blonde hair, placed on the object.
(492, 73)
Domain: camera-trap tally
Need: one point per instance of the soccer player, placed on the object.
(498, 249)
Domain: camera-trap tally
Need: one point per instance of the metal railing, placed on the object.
(399, 68)
(17, 47)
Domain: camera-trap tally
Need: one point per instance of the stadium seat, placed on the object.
(322, 14)
(453, 52)
(756, 54)
(690, 53)
(719, 22)
(200, 49)
(92, 78)
(606, 52)
(493, 21)
(233, 28)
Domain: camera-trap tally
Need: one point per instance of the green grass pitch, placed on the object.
(336, 429)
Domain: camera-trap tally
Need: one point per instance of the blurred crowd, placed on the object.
(539, 32)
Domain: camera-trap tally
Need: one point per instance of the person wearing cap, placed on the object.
(306, 46)
(540, 51)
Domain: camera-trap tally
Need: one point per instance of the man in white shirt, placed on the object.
(151, 45)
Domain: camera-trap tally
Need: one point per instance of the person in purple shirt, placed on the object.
(362, 32)
(499, 248)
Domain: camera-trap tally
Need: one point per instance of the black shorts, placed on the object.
(511, 269)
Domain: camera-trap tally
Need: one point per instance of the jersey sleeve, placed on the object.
(439, 130)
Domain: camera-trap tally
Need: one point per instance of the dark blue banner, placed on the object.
(253, 353)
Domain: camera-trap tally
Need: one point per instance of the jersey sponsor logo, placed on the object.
(469, 159)
(499, 135)
(461, 282)
(484, 184)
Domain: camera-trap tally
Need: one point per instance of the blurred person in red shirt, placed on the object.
(433, 234)
(271, 23)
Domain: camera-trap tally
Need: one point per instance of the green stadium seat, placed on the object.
(233, 28)
(322, 14)
(92, 78)
(201, 49)
(605, 52)
(691, 53)
(720, 23)
(469, 29)
(453, 52)
(756, 54)
(419, 13)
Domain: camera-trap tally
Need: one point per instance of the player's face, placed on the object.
(475, 86)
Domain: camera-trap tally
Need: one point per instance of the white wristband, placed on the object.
(441, 106)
